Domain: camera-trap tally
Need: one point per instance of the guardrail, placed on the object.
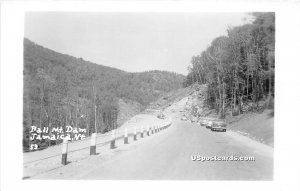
(114, 135)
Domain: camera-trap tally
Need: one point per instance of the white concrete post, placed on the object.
(125, 136)
(64, 151)
(134, 136)
(142, 132)
(93, 144)
(113, 139)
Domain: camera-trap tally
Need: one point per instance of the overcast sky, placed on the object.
(133, 42)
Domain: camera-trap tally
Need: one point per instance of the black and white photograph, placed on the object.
(167, 96)
(152, 95)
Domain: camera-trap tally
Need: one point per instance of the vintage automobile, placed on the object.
(194, 119)
(202, 122)
(209, 124)
(161, 116)
(184, 118)
(219, 125)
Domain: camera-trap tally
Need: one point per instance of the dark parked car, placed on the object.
(219, 125)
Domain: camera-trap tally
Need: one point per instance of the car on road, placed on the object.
(202, 122)
(161, 116)
(219, 125)
(194, 119)
(183, 118)
(209, 124)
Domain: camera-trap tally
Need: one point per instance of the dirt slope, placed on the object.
(128, 109)
(257, 126)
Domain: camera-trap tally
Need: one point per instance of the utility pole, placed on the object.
(95, 109)
(76, 117)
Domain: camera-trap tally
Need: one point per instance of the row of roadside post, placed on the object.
(149, 130)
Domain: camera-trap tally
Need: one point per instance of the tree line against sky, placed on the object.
(238, 68)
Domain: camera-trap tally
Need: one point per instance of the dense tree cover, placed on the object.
(61, 90)
(238, 68)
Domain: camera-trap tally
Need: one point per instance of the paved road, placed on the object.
(168, 156)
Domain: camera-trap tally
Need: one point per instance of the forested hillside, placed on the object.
(62, 90)
(238, 68)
